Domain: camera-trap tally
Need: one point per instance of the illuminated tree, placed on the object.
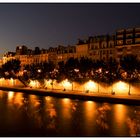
(130, 64)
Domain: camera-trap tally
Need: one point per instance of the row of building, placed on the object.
(103, 47)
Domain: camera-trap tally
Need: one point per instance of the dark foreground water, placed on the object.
(31, 115)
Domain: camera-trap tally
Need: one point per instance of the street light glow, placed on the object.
(34, 84)
(66, 84)
(10, 95)
(11, 81)
(122, 86)
(90, 85)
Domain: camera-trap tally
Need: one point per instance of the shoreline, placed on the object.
(99, 97)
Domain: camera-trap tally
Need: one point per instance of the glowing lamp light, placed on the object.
(66, 84)
(122, 86)
(48, 98)
(2, 81)
(39, 70)
(66, 100)
(34, 84)
(11, 81)
(48, 83)
(10, 95)
(90, 85)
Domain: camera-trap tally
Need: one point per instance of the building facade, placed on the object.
(82, 48)
(127, 42)
(8, 56)
(103, 47)
(64, 53)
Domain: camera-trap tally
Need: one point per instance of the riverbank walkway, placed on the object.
(101, 97)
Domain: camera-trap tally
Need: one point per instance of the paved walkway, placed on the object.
(100, 94)
(129, 99)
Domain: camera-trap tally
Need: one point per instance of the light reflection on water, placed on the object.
(102, 113)
(31, 115)
(120, 113)
(50, 113)
(10, 95)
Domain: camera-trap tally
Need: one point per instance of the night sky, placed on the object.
(49, 25)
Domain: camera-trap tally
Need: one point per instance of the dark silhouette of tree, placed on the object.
(85, 65)
(130, 64)
(111, 71)
(61, 75)
(70, 67)
(11, 68)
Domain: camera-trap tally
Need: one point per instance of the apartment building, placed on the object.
(28, 56)
(127, 42)
(101, 47)
(82, 48)
(8, 56)
(64, 53)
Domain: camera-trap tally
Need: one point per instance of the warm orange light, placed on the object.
(90, 111)
(2, 81)
(120, 113)
(10, 95)
(34, 100)
(11, 81)
(18, 100)
(66, 84)
(121, 85)
(48, 98)
(48, 83)
(91, 86)
(34, 84)
(67, 106)
(39, 70)
(66, 100)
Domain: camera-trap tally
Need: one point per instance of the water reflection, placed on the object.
(66, 111)
(1, 94)
(51, 113)
(120, 113)
(66, 117)
(18, 100)
(69, 107)
(133, 123)
(34, 110)
(74, 106)
(102, 113)
(88, 117)
(10, 95)
(90, 110)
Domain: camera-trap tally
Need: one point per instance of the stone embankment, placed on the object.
(101, 97)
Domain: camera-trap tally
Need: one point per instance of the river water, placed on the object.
(22, 114)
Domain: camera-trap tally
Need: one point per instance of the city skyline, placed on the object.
(69, 69)
(51, 24)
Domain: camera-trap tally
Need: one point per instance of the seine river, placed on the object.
(22, 114)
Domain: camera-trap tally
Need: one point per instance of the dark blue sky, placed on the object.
(48, 25)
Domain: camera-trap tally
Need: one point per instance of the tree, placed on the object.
(11, 68)
(130, 64)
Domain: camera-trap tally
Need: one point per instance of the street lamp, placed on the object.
(39, 70)
(90, 85)
(67, 84)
